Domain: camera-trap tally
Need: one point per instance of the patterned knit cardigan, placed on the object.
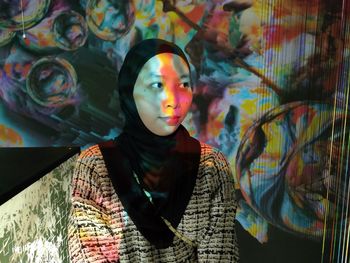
(100, 230)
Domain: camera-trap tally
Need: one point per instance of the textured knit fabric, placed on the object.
(101, 231)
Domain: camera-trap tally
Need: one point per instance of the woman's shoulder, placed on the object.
(91, 156)
(91, 151)
(214, 166)
(211, 153)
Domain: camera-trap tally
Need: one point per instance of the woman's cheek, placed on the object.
(186, 96)
(187, 100)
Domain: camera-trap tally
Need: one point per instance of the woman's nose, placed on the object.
(171, 99)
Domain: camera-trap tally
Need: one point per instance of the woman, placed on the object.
(154, 194)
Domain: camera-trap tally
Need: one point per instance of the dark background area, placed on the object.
(281, 247)
(20, 167)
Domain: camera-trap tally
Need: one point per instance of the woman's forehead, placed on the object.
(164, 64)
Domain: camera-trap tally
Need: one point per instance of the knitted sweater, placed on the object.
(101, 231)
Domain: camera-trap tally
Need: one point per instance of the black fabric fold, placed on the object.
(143, 213)
(135, 202)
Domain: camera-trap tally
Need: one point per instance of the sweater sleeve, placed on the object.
(89, 235)
(219, 243)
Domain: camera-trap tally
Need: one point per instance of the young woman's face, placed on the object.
(163, 93)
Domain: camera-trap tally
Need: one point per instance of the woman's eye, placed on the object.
(186, 85)
(157, 85)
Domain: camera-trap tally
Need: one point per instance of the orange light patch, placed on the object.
(26, 69)
(7, 68)
(9, 137)
(99, 18)
(195, 15)
(27, 41)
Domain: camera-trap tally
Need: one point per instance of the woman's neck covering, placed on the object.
(169, 164)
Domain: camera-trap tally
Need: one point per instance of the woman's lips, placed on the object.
(171, 120)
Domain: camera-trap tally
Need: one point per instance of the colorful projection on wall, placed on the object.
(271, 91)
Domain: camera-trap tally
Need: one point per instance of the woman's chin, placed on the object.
(166, 130)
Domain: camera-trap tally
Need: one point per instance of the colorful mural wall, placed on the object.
(271, 90)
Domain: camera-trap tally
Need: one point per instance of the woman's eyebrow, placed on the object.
(152, 75)
(183, 76)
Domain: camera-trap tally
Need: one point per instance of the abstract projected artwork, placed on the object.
(271, 90)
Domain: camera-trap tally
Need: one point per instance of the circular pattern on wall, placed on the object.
(11, 13)
(70, 30)
(52, 82)
(110, 19)
(6, 36)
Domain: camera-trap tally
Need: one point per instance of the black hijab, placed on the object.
(169, 162)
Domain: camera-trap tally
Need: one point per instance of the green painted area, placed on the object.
(33, 224)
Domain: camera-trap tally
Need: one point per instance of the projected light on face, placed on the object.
(162, 93)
